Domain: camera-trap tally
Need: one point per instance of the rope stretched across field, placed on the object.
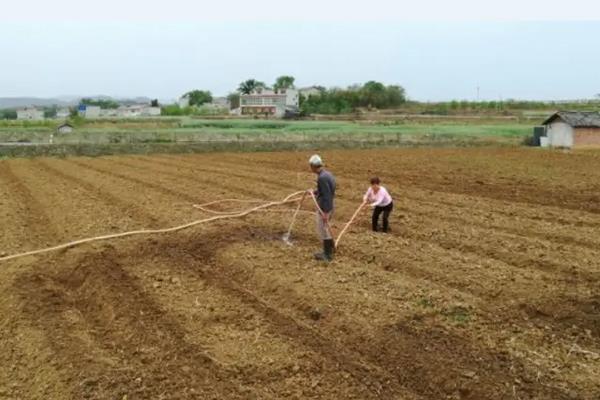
(221, 215)
(288, 199)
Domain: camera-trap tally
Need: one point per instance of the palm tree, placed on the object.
(250, 85)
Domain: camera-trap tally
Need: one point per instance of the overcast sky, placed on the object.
(437, 50)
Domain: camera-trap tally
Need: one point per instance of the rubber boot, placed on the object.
(328, 249)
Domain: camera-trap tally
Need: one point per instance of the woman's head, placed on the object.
(375, 183)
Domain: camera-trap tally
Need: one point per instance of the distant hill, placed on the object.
(62, 101)
(16, 102)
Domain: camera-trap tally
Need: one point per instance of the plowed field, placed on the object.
(486, 288)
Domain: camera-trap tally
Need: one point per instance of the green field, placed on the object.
(174, 130)
(179, 135)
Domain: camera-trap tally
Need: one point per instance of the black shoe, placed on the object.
(328, 250)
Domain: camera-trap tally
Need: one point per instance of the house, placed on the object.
(87, 111)
(64, 128)
(63, 113)
(149, 111)
(136, 110)
(269, 103)
(573, 129)
(30, 114)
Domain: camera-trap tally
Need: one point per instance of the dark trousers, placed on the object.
(377, 211)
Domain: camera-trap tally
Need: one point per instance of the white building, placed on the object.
(136, 110)
(30, 114)
(573, 129)
(63, 113)
(150, 111)
(269, 103)
(87, 111)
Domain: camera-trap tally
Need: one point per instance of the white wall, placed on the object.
(292, 98)
(560, 134)
(30, 114)
(92, 112)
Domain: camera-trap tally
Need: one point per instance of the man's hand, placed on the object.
(325, 217)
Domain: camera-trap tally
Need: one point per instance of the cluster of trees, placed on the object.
(465, 106)
(8, 114)
(370, 95)
(198, 97)
(105, 104)
(282, 82)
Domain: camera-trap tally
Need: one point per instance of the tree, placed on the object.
(154, 103)
(104, 104)
(8, 114)
(50, 112)
(250, 85)
(234, 100)
(338, 100)
(284, 82)
(198, 97)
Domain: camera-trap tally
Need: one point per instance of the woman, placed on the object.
(381, 201)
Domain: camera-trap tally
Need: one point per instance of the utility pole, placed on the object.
(477, 93)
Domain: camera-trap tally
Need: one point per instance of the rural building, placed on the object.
(63, 113)
(136, 110)
(87, 111)
(269, 103)
(573, 129)
(65, 128)
(30, 114)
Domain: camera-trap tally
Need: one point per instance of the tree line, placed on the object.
(338, 101)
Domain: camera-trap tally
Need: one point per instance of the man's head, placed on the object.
(316, 163)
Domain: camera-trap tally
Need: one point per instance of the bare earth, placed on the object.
(487, 287)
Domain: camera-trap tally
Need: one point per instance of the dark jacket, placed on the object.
(325, 190)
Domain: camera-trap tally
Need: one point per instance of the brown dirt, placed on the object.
(487, 288)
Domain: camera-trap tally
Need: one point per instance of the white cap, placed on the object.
(315, 160)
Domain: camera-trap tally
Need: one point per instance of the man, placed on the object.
(325, 195)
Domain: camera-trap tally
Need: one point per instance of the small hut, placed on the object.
(64, 128)
(573, 129)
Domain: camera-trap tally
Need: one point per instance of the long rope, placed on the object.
(289, 231)
(364, 203)
(288, 199)
(221, 215)
(204, 206)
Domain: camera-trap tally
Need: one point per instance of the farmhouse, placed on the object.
(30, 114)
(63, 113)
(269, 103)
(64, 128)
(135, 110)
(87, 111)
(573, 129)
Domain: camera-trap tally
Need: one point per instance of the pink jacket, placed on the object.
(381, 199)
